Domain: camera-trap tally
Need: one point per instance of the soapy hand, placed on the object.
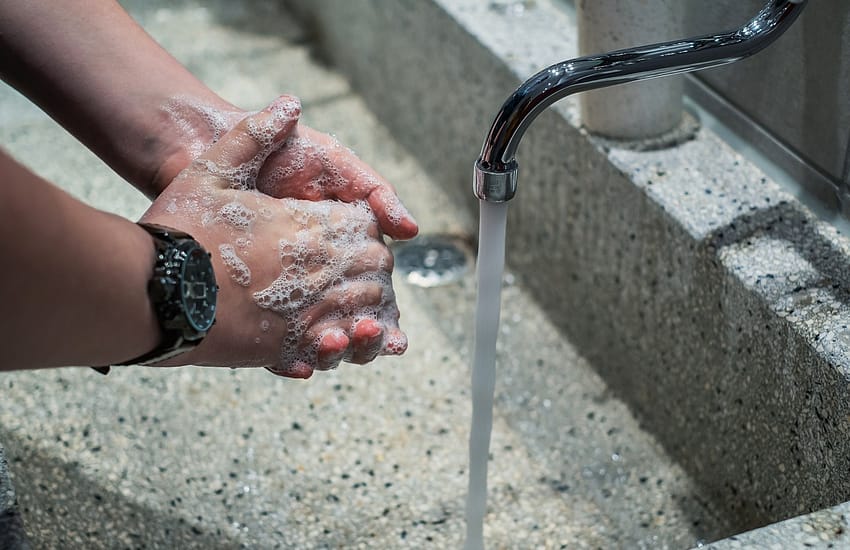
(314, 166)
(309, 164)
(304, 284)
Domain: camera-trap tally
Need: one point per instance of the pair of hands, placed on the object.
(295, 225)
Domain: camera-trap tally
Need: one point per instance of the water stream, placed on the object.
(491, 262)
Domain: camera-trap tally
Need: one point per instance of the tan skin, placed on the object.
(100, 75)
(233, 340)
(77, 305)
(72, 304)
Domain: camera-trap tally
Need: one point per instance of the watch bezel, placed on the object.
(210, 288)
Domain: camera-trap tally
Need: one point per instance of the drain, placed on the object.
(432, 260)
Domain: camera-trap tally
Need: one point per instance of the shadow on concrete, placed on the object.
(64, 507)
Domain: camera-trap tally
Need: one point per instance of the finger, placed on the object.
(354, 217)
(350, 179)
(344, 301)
(296, 170)
(346, 226)
(395, 342)
(298, 369)
(393, 217)
(332, 348)
(363, 184)
(366, 341)
(255, 136)
(375, 258)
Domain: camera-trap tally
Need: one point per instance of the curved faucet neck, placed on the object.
(496, 168)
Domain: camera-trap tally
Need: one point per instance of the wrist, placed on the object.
(186, 127)
(142, 332)
(182, 293)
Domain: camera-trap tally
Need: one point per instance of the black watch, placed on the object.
(182, 291)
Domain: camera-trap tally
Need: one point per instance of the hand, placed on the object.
(309, 165)
(303, 284)
(315, 166)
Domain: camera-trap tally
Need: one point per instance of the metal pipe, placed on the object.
(496, 168)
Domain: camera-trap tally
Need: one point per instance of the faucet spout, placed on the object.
(496, 168)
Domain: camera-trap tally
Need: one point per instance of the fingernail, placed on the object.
(288, 105)
(286, 111)
(395, 343)
(368, 329)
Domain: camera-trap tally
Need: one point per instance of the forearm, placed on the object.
(100, 75)
(74, 286)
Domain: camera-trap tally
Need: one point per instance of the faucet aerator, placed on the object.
(495, 185)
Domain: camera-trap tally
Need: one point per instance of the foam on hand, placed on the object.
(238, 215)
(305, 270)
(199, 124)
(325, 263)
(236, 267)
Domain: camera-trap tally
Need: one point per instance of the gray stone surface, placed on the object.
(371, 457)
(7, 492)
(821, 530)
(12, 536)
(708, 298)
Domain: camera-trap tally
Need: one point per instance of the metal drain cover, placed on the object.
(432, 260)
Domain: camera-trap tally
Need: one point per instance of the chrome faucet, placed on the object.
(496, 169)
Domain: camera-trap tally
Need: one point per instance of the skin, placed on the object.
(309, 165)
(104, 315)
(332, 309)
(95, 71)
(101, 76)
(72, 304)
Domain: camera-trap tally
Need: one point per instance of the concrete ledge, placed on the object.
(710, 299)
(821, 530)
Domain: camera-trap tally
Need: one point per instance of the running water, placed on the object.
(491, 262)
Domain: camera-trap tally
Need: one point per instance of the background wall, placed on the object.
(799, 88)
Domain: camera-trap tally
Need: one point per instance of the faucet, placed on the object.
(496, 169)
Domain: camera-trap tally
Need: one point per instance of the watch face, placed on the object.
(199, 289)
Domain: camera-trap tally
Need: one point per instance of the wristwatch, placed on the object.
(182, 291)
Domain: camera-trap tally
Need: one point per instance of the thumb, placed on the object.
(239, 154)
